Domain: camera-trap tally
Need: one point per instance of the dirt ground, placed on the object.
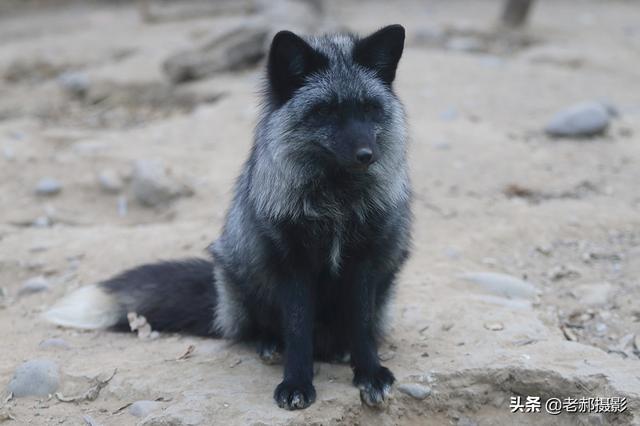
(493, 193)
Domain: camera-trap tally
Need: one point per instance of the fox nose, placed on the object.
(364, 156)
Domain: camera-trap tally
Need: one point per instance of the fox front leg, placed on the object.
(296, 390)
(374, 381)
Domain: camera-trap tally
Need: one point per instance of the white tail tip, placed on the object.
(88, 308)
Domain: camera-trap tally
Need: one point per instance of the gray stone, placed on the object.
(37, 377)
(152, 185)
(415, 390)
(42, 222)
(466, 421)
(143, 408)
(48, 186)
(54, 343)
(502, 284)
(240, 48)
(90, 421)
(465, 44)
(110, 181)
(596, 294)
(580, 120)
(34, 285)
(74, 82)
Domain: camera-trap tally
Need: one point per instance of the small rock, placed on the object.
(123, 206)
(152, 185)
(34, 285)
(90, 421)
(37, 377)
(465, 44)
(110, 181)
(415, 390)
(48, 186)
(74, 82)
(143, 408)
(593, 294)
(494, 326)
(42, 222)
(430, 35)
(544, 249)
(561, 272)
(466, 421)
(601, 328)
(386, 355)
(502, 284)
(54, 343)
(239, 48)
(8, 153)
(580, 120)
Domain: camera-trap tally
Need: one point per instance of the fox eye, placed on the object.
(323, 110)
(371, 108)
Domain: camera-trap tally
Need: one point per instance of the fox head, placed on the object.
(330, 98)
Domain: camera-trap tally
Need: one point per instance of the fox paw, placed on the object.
(294, 396)
(269, 353)
(375, 389)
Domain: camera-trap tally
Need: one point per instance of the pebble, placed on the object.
(8, 153)
(151, 184)
(415, 390)
(466, 421)
(143, 408)
(580, 120)
(74, 82)
(89, 421)
(465, 44)
(48, 186)
(54, 343)
(593, 294)
(110, 181)
(561, 272)
(601, 328)
(502, 284)
(37, 377)
(123, 206)
(42, 222)
(494, 326)
(34, 285)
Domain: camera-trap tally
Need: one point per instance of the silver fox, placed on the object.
(315, 235)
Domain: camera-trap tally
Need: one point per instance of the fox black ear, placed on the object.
(291, 60)
(381, 51)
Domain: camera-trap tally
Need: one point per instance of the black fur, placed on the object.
(173, 296)
(290, 61)
(381, 51)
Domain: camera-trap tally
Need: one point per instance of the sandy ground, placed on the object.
(572, 229)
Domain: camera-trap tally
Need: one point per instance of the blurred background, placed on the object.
(123, 125)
